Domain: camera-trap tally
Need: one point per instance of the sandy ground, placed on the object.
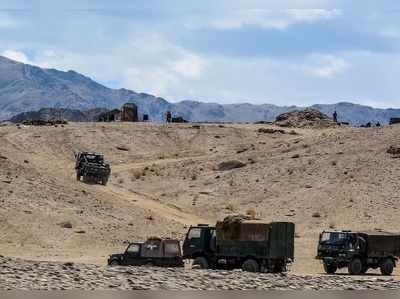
(167, 180)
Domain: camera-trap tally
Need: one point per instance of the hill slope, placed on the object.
(26, 88)
(169, 179)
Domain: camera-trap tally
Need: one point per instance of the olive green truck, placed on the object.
(251, 245)
(359, 251)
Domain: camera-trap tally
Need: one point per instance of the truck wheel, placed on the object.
(250, 265)
(200, 263)
(355, 267)
(114, 263)
(387, 267)
(329, 268)
(104, 181)
(78, 177)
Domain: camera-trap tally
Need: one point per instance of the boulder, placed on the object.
(305, 118)
(229, 165)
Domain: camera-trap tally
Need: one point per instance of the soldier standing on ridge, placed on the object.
(335, 116)
(169, 116)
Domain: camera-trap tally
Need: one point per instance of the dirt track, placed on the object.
(168, 180)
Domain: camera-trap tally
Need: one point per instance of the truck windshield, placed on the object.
(333, 238)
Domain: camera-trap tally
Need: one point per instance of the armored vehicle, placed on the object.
(358, 251)
(91, 167)
(251, 245)
(153, 252)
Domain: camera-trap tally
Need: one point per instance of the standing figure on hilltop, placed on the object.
(168, 116)
(335, 116)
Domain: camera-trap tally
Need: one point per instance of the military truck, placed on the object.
(91, 167)
(252, 245)
(358, 251)
(153, 252)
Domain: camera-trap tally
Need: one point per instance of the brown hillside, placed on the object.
(168, 177)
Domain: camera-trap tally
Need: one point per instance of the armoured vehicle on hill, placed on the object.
(358, 251)
(92, 167)
(252, 245)
(153, 252)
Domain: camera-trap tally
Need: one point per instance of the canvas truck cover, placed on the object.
(272, 240)
(382, 244)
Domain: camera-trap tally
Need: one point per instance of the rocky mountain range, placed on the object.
(25, 88)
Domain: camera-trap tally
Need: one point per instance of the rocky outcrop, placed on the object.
(307, 118)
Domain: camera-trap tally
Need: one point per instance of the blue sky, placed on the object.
(281, 52)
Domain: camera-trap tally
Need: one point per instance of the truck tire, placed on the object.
(250, 265)
(114, 263)
(355, 267)
(104, 181)
(329, 268)
(387, 267)
(200, 263)
(78, 176)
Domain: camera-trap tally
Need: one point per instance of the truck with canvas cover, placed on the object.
(359, 251)
(252, 245)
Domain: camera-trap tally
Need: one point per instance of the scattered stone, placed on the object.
(316, 215)
(122, 148)
(270, 131)
(229, 165)
(242, 150)
(296, 156)
(66, 224)
(394, 150)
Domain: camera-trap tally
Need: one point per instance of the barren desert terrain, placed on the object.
(166, 177)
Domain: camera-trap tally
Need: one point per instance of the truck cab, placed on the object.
(200, 244)
(336, 248)
(153, 252)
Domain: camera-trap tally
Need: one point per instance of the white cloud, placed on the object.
(325, 66)
(265, 18)
(15, 55)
